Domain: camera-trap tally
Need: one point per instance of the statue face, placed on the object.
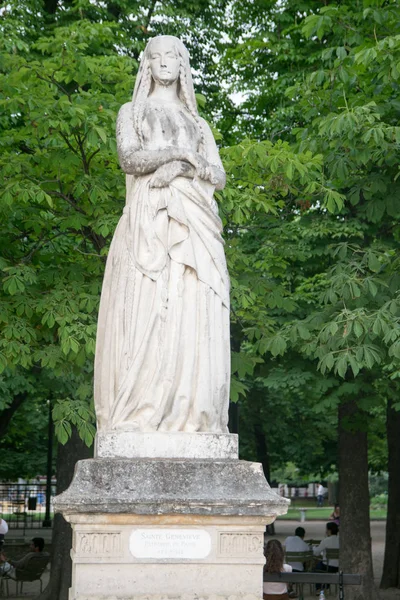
(164, 61)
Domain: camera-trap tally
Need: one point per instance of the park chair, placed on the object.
(341, 579)
(332, 553)
(305, 557)
(32, 571)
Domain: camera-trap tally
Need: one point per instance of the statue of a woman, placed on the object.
(162, 354)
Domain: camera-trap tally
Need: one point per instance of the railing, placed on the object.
(23, 505)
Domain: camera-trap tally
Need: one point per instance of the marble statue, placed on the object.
(162, 352)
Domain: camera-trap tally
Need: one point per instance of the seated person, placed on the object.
(331, 541)
(335, 516)
(5, 566)
(3, 527)
(296, 543)
(36, 548)
(274, 557)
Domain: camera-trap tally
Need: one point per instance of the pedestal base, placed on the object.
(156, 558)
(158, 529)
(130, 444)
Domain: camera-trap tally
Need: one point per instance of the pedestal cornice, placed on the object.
(170, 486)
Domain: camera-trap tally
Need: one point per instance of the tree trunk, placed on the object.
(233, 423)
(263, 458)
(391, 565)
(262, 449)
(8, 413)
(61, 566)
(355, 532)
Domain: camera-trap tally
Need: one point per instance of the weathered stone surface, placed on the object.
(109, 562)
(167, 486)
(129, 444)
(178, 529)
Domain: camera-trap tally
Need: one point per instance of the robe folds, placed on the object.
(163, 349)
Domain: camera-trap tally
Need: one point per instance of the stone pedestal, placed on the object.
(127, 444)
(168, 528)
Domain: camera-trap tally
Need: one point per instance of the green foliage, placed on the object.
(315, 279)
(378, 484)
(289, 474)
(24, 446)
(60, 180)
(379, 501)
(353, 302)
(68, 412)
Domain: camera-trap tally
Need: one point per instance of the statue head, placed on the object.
(165, 60)
(169, 50)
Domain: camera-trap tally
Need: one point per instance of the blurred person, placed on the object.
(3, 531)
(4, 564)
(36, 548)
(331, 541)
(274, 563)
(296, 543)
(335, 516)
(3, 528)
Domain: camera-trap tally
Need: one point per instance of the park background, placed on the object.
(303, 98)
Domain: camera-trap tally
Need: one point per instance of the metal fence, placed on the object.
(23, 505)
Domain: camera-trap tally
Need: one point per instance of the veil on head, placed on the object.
(142, 89)
(185, 87)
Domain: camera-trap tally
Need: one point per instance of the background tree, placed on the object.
(338, 58)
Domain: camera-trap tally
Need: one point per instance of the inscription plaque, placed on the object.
(170, 543)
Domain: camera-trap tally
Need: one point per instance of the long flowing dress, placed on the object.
(162, 351)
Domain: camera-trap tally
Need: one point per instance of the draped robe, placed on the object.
(162, 351)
